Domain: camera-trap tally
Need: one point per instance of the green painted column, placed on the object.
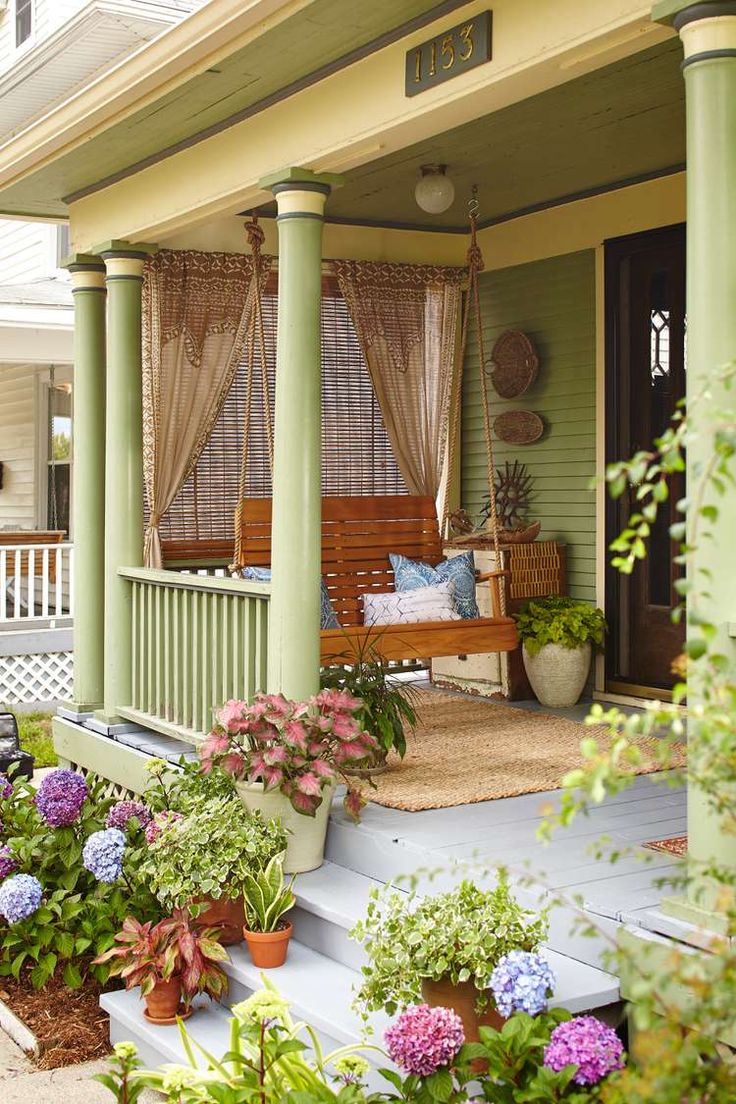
(708, 33)
(88, 501)
(123, 463)
(293, 660)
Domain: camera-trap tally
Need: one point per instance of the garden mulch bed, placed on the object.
(68, 1023)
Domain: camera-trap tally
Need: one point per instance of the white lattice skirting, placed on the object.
(43, 678)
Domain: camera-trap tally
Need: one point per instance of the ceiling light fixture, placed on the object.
(434, 191)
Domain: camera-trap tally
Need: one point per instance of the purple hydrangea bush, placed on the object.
(122, 812)
(60, 797)
(423, 1040)
(20, 897)
(6, 787)
(8, 861)
(522, 982)
(587, 1043)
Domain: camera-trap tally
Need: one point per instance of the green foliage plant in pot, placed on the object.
(388, 705)
(267, 900)
(287, 758)
(442, 949)
(558, 637)
(201, 860)
(171, 962)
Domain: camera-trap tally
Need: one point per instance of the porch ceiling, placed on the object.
(299, 49)
(620, 124)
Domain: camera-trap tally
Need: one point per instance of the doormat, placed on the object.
(674, 845)
(467, 750)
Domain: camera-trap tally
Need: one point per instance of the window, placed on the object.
(63, 247)
(23, 21)
(357, 458)
(59, 453)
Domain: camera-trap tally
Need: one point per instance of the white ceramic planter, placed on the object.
(306, 847)
(558, 675)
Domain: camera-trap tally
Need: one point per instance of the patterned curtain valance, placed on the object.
(197, 316)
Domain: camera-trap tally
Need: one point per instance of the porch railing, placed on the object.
(36, 582)
(197, 641)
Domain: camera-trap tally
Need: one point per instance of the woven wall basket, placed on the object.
(518, 427)
(515, 364)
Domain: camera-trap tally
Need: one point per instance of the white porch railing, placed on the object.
(196, 641)
(36, 583)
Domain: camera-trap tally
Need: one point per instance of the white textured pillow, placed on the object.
(432, 603)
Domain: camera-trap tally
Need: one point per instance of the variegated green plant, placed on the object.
(266, 896)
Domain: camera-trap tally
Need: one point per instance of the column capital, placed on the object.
(87, 271)
(301, 193)
(677, 13)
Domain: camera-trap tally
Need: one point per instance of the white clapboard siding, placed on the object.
(27, 251)
(17, 446)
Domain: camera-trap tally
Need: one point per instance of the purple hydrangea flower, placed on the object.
(424, 1039)
(159, 822)
(587, 1043)
(20, 896)
(60, 797)
(8, 861)
(521, 982)
(103, 854)
(6, 787)
(123, 811)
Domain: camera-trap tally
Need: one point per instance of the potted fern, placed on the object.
(558, 636)
(267, 899)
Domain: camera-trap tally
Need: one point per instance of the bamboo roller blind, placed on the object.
(357, 458)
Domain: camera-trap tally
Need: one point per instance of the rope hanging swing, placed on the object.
(472, 309)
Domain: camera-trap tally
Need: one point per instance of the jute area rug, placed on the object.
(465, 750)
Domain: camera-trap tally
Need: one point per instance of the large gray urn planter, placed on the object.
(558, 675)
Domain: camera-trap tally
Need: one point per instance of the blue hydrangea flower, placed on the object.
(521, 982)
(103, 854)
(20, 896)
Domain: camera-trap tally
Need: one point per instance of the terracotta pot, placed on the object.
(162, 1003)
(225, 913)
(461, 998)
(268, 949)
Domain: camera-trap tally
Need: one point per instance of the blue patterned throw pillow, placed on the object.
(459, 570)
(327, 616)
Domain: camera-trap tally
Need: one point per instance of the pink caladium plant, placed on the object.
(298, 748)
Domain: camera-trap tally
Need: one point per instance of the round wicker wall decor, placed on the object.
(518, 427)
(515, 364)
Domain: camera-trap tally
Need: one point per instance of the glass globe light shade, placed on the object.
(434, 192)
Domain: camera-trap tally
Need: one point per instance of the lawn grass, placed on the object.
(35, 736)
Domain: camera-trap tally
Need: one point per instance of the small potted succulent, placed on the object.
(287, 758)
(267, 900)
(558, 636)
(200, 860)
(172, 962)
(443, 949)
(387, 705)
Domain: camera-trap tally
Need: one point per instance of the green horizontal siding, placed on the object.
(553, 301)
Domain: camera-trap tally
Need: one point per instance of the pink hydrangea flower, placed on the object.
(587, 1043)
(424, 1039)
(159, 823)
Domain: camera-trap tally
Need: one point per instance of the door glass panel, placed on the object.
(660, 584)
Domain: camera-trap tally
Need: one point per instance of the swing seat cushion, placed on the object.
(327, 618)
(459, 570)
(426, 603)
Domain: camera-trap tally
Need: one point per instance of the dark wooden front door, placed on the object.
(645, 374)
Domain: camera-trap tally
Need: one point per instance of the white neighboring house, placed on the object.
(48, 50)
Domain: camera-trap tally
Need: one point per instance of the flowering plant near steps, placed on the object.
(522, 982)
(461, 935)
(557, 619)
(273, 1061)
(208, 852)
(175, 947)
(298, 748)
(66, 881)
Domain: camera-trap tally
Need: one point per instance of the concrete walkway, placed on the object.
(22, 1083)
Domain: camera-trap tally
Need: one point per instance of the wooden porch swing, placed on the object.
(359, 532)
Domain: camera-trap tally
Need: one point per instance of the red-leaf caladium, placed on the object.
(298, 748)
(175, 947)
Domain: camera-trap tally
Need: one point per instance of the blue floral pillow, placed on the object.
(459, 570)
(327, 616)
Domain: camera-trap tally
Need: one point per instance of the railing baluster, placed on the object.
(70, 552)
(3, 585)
(17, 584)
(45, 584)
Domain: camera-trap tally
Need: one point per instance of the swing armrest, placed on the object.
(494, 577)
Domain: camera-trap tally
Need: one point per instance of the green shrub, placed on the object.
(560, 620)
